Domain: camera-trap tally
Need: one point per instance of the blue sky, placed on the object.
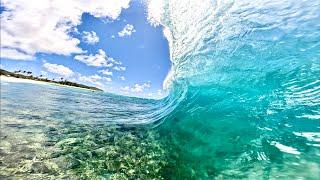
(112, 46)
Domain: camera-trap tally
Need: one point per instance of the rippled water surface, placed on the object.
(243, 103)
(58, 132)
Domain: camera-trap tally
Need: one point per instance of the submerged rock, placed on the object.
(107, 152)
(87, 152)
(39, 167)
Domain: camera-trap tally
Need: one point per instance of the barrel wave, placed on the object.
(249, 74)
(243, 103)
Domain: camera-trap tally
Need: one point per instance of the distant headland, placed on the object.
(28, 75)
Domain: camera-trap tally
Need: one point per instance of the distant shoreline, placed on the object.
(32, 79)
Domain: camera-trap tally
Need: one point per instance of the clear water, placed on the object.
(55, 132)
(243, 103)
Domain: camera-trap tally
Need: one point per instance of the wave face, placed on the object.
(243, 103)
(248, 76)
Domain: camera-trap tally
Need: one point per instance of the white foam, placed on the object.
(310, 136)
(284, 148)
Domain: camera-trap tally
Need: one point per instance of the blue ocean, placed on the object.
(243, 102)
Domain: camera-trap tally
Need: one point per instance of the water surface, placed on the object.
(243, 103)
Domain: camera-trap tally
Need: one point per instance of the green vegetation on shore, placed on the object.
(20, 74)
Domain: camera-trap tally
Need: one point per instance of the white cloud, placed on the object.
(93, 79)
(98, 60)
(119, 68)
(106, 72)
(122, 78)
(137, 88)
(90, 37)
(127, 31)
(109, 79)
(43, 73)
(155, 11)
(118, 62)
(147, 85)
(58, 69)
(30, 27)
(126, 88)
(159, 92)
(14, 54)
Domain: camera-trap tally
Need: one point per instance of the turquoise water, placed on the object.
(55, 132)
(243, 103)
(58, 132)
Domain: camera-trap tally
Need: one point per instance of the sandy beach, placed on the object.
(4, 79)
(19, 80)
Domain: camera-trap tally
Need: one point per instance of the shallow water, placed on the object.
(56, 132)
(243, 103)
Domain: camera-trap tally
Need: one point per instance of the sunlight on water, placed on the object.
(43, 136)
(244, 103)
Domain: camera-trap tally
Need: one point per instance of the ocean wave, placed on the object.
(249, 72)
(266, 47)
